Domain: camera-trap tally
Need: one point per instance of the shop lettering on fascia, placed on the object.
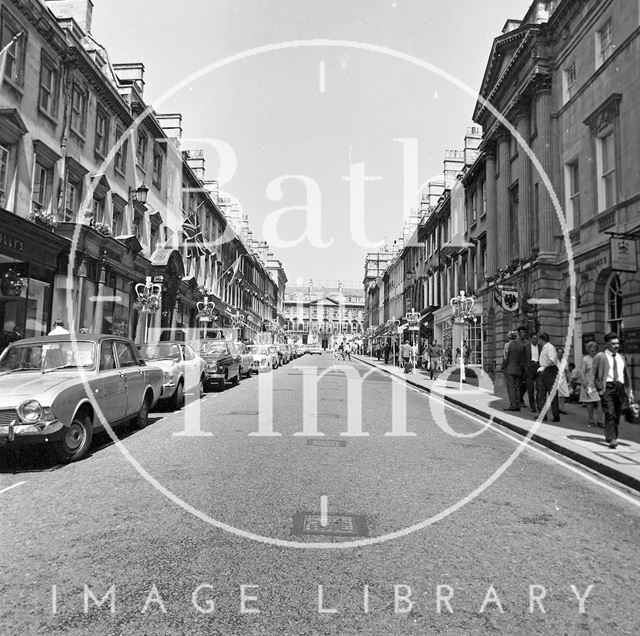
(11, 242)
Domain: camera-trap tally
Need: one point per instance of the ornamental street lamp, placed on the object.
(148, 294)
(462, 306)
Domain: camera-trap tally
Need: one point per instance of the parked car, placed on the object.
(183, 369)
(273, 350)
(246, 359)
(263, 358)
(223, 362)
(283, 353)
(58, 392)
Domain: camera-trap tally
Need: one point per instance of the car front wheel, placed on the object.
(178, 397)
(77, 439)
(142, 419)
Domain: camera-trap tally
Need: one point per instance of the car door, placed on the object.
(113, 393)
(133, 375)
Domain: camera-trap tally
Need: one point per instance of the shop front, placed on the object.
(97, 294)
(450, 336)
(30, 257)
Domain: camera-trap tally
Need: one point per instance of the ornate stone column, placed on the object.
(548, 224)
(525, 238)
(502, 198)
(492, 221)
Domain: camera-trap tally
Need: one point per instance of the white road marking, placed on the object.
(521, 442)
(322, 83)
(14, 486)
(324, 517)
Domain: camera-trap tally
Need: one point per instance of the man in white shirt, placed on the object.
(546, 377)
(532, 357)
(613, 383)
(58, 329)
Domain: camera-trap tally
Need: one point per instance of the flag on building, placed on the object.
(235, 269)
(193, 238)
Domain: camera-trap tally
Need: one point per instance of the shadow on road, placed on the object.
(31, 459)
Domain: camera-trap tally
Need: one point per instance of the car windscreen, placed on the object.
(46, 356)
(263, 351)
(160, 351)
(207, 348)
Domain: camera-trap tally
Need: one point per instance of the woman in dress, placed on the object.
(588, 393)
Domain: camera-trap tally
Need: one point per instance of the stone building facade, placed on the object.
(98, 199)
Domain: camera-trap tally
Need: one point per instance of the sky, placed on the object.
(322, 118)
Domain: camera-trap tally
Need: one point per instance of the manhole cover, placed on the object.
(326, 442)
(337, 525)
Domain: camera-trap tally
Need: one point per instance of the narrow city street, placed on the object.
(454, 535)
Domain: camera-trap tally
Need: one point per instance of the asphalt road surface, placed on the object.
(445, 527)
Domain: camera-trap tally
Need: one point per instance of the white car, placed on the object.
(183, 369)
(246, 359)
(264, 358)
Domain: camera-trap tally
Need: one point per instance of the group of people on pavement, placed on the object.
(532, 365)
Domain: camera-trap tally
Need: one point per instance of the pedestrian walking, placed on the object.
(588, 393)
(513, 370)
(612, 381)
(522, 340)
(435, 358)
(387, 351)
(532, 356)
(406, 356)
(546, 376)
(347, 350)
(58, 329)
(378, 350)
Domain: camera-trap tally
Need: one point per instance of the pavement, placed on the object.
(571, 437)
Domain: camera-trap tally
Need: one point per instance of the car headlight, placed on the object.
(30, 411)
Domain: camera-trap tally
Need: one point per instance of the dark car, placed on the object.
(222, 362)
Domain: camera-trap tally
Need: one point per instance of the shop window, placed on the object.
(604, 43)
(572, 188)
(120, 159)
(14, 57)
(4, 174)
(42, 178)
(49, 87)
(102, 132)
(614, 305)
(72, 199)
(79, 100)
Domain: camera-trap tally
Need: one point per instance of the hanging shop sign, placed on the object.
(507, 297)
(624, 256)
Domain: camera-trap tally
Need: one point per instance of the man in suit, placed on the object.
(531, 356)
(612, 381)
(513, 368)
(546, 376)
